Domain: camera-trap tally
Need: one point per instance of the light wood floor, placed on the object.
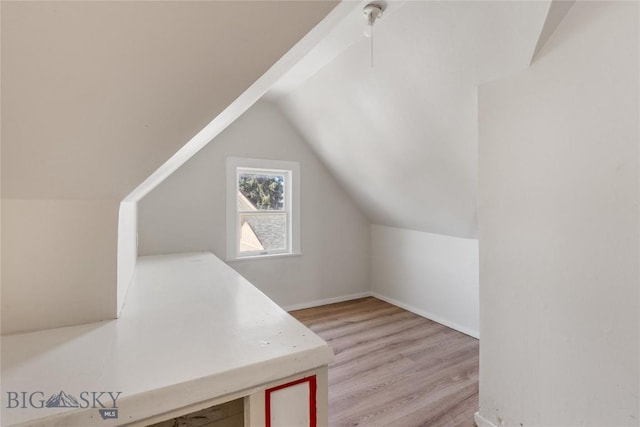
(394, 368)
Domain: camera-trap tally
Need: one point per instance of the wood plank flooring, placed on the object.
(394, 368)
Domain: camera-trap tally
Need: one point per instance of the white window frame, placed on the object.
(291, 171)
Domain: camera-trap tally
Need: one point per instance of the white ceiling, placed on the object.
(97, 95)
(402, 136)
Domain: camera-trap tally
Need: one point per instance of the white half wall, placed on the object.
(433, 275)
(559, 228)
(187, 213)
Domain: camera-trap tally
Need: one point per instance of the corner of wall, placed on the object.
(435, 276)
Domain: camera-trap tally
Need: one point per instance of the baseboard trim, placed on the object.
(408, 307)
(482, 421)
(428, 315)
(326, 301)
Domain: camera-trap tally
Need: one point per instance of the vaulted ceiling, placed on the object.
(402, 136)
(97, 95)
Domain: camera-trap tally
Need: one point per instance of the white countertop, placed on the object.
(192, 329)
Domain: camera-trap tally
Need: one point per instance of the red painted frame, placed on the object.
(312, 399)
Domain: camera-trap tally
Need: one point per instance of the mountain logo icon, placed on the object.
(62, 400)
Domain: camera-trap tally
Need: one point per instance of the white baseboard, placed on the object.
(426, 314)
(326, 301)
(408, 307)
(482, 421)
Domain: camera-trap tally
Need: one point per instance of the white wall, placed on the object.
(187, 213)
(559, 228)
(47, 265)
(430, 274)
(127, 249)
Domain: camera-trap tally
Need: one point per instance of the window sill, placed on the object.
(258, 257)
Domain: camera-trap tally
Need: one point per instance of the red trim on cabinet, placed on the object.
(312, 399)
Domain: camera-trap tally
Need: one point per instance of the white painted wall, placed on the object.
(47, 265)
(559, 228)
(187, 212)
(127, 249)
(433, 275)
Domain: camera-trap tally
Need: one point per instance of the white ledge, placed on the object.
(191, 330)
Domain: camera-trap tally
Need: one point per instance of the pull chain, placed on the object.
(372, 13)
(371, 45)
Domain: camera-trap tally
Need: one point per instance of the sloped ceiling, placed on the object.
(402, 136)
(97, 95)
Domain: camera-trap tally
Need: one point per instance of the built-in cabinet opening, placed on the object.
(229, 414)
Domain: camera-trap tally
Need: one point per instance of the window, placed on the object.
(262, 208)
